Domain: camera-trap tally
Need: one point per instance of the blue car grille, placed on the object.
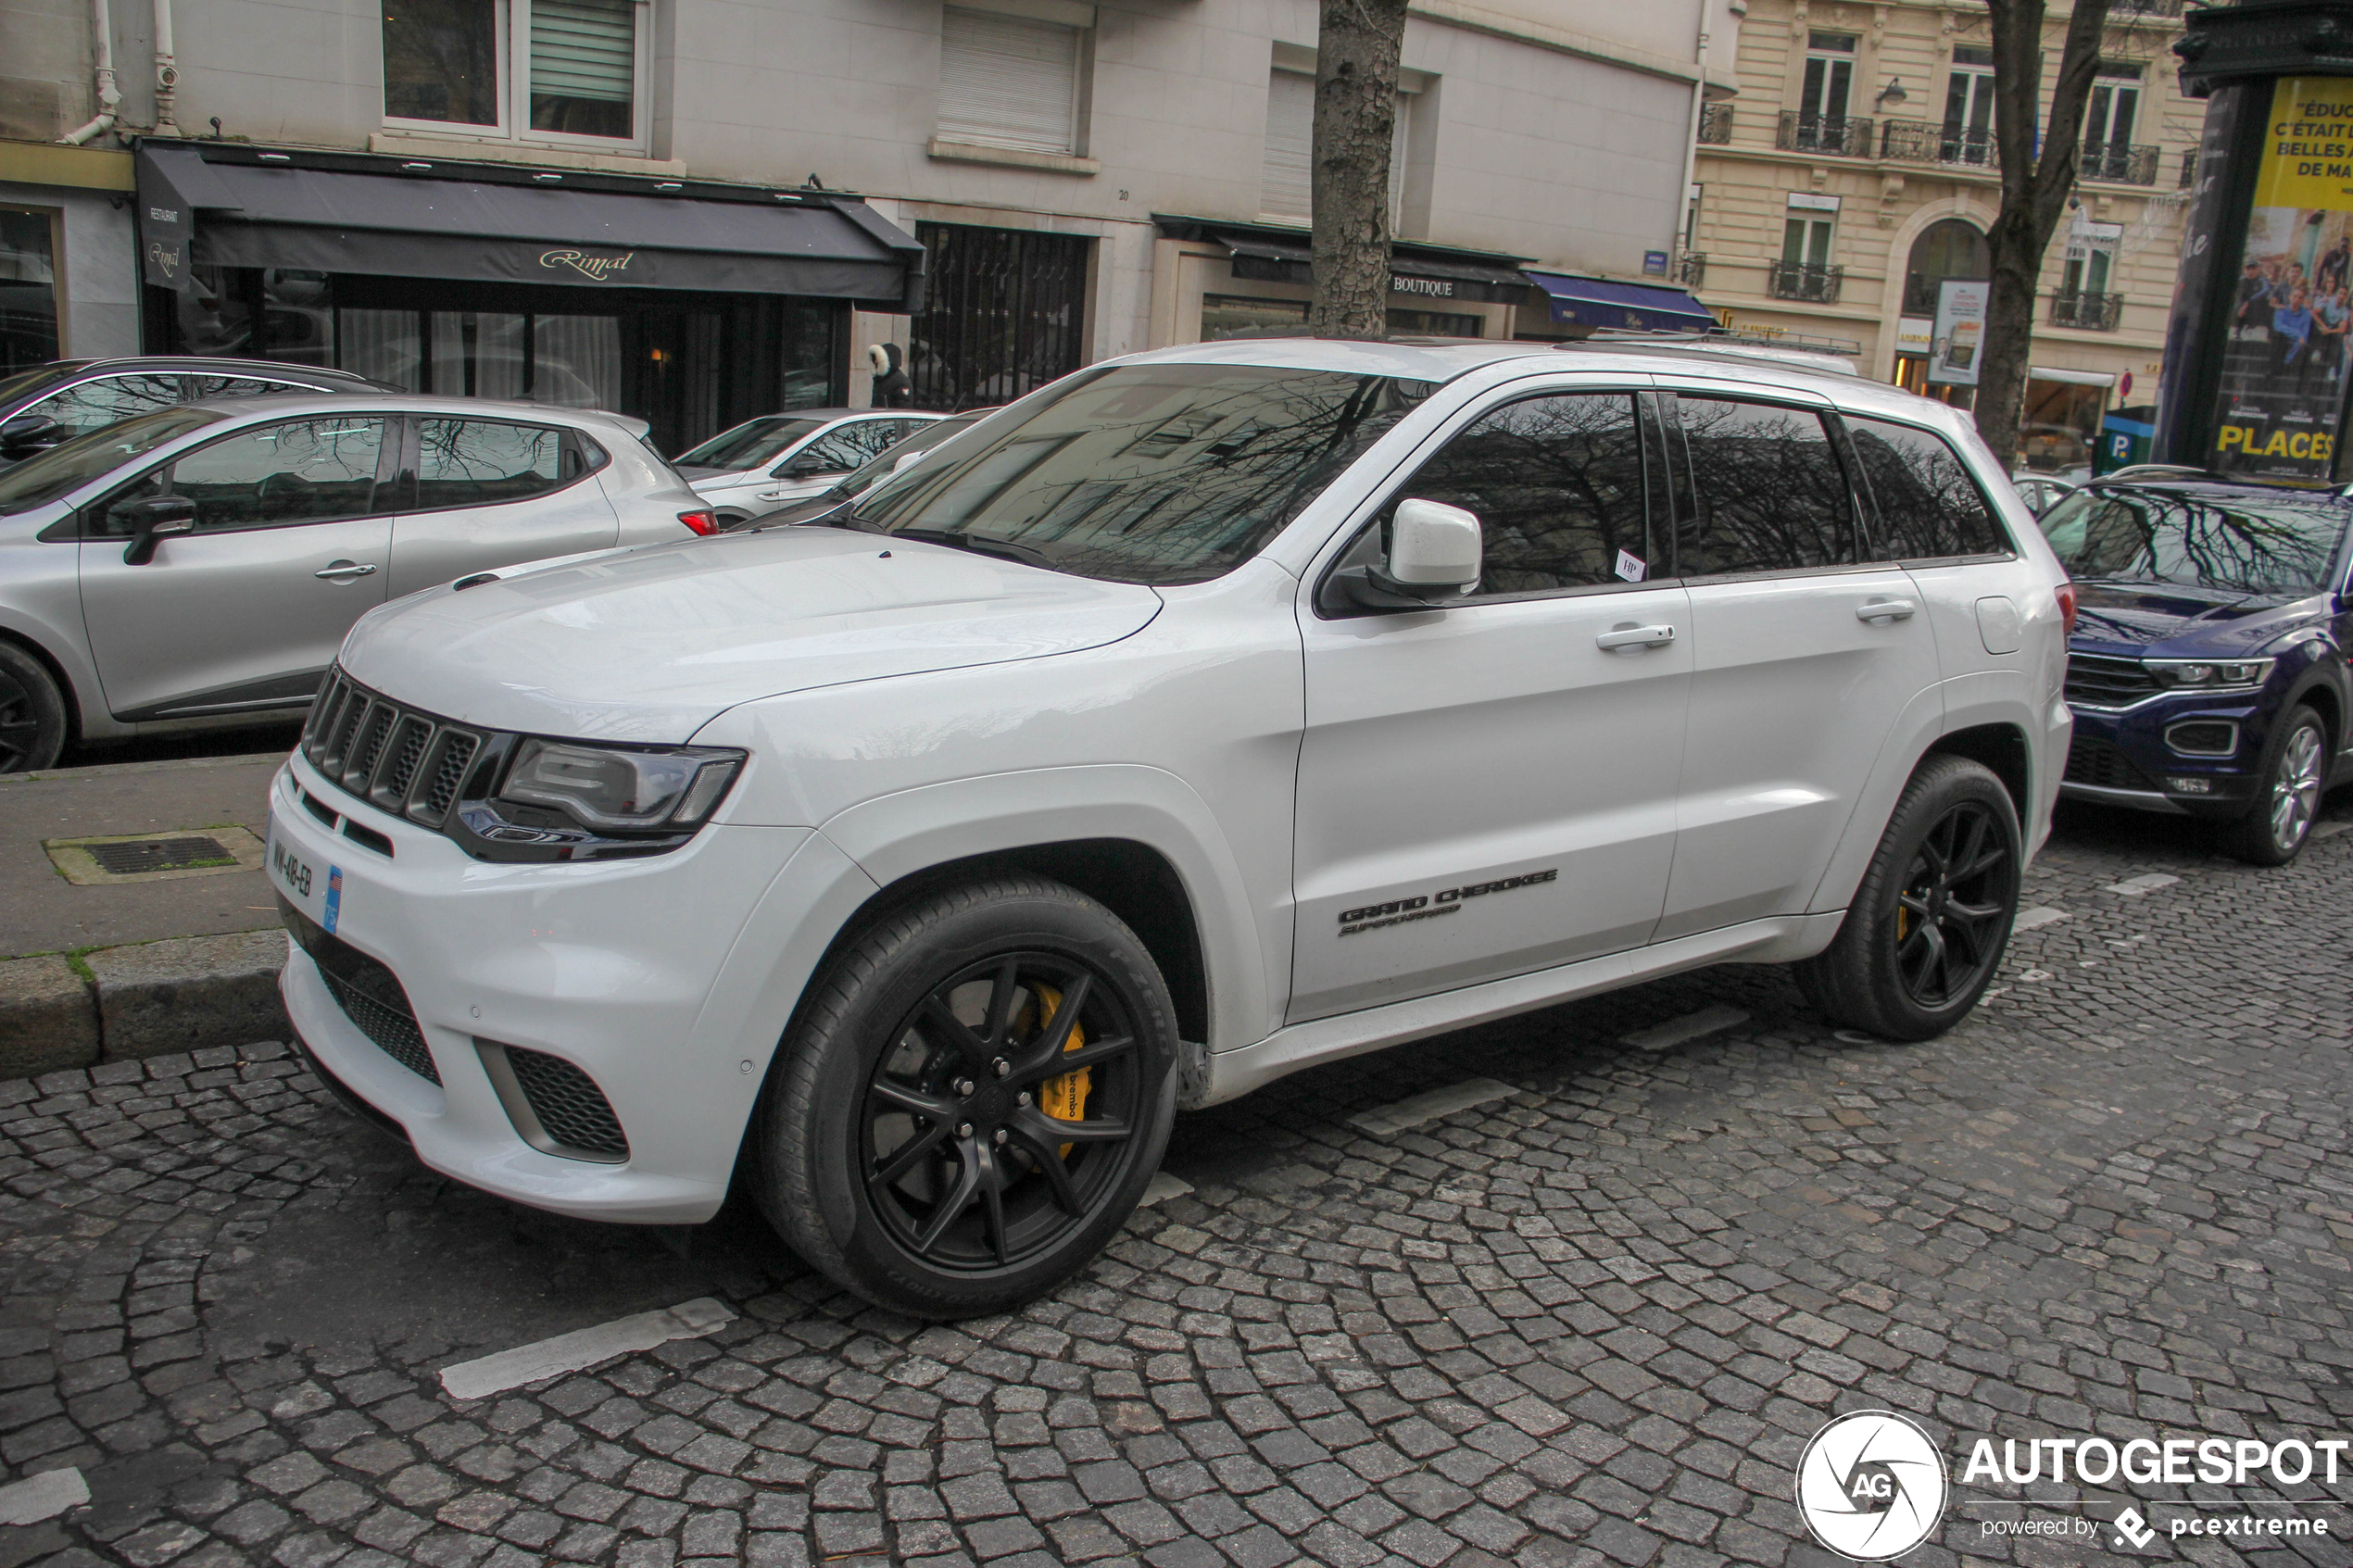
(2095, 680)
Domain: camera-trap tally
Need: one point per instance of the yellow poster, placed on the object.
(2288, 359)
(2309, 162)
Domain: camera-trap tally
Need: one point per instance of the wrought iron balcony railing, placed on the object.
(1805, 279)
(2144, 7)
(1839, 135)
(2088, 312)
(1715, 124)
(1923, 141)
(1691, 268)
(2121, 165)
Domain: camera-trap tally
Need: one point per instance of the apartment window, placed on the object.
(1285, 187)
(2091, 258)
(1968, 107)
(1806, 238)
(1830, 76)
(1008, 82)
(2116, 101)
(550, 70)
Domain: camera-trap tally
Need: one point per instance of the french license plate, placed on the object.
(301, 879)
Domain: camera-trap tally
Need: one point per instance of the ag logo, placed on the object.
(1871, 1486)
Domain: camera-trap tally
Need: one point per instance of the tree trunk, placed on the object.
(1356, 53)
(2037, 182)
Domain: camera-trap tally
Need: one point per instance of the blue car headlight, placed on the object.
(2209, 674)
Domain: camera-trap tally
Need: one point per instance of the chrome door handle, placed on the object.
(1635, 637)
(343, 571)
(1886, 610)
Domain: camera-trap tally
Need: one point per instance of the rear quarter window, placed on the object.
(1929, 508)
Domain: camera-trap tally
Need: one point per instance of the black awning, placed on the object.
(1420, 271)
(242, 208)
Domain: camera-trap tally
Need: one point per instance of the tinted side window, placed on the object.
(308, 471)
(1557, 484)
(1769, 491)
(95, 405)
(1928, 507)
(484, 462)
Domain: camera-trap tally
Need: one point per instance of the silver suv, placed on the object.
(201, 563)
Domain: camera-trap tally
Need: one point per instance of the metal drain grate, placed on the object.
(140, 855)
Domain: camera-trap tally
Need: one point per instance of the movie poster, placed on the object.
(2291, 303)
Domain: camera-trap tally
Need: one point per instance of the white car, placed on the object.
(779, 458)
(1203, 716)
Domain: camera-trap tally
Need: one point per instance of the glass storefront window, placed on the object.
(28, 289)
(1226, 315)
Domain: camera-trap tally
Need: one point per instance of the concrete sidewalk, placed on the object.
(133, 965)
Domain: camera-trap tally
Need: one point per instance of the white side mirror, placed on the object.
(1433, 546)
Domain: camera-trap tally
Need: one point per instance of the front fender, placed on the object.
(896, 836)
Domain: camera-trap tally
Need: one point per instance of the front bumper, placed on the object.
(610, 967)
(2124, 758)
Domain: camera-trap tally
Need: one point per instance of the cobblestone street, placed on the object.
(1592, 1321)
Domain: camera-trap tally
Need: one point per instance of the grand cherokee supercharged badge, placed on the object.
(1430, 906)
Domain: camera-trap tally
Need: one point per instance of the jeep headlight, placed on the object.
(2209, 674)
(613, 789)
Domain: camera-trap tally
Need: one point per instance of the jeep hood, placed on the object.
(2165, 619)
(650, 645)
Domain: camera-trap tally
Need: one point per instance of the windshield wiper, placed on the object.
(977, 544)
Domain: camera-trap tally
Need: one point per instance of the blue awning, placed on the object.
(1593, 302)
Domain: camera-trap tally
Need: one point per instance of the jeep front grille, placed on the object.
(399, 759)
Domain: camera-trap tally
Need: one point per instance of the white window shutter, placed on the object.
(1006, 82)
(1286, 184)
(1291, 134)
(584, 49)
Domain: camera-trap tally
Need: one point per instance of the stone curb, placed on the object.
(149, 999)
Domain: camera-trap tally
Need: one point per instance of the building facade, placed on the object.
(1085, 179)
(1856, 173)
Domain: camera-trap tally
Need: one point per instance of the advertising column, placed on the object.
(2285, 361)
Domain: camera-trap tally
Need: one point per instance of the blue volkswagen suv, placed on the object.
(2207, 667)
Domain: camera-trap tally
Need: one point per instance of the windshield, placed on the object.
(2231, 541)
(1164, 473)
(40, 375)
(750, 444)
(67, 466)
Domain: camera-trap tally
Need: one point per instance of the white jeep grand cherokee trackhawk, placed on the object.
(1202, 716)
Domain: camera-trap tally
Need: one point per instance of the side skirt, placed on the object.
(1780, 939)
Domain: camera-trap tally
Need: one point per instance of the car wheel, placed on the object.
(33, 713)
(971, 1100)
(1927, 926)
(2296, 766)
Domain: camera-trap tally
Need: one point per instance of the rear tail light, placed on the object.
(708, 523)
(2067, 609)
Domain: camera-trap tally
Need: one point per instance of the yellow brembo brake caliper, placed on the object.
(1063, 1096)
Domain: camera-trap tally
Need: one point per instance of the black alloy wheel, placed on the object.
(972, 1097)
(962, 1163)
(33, 713)
(1927, 927)
(1954, 911)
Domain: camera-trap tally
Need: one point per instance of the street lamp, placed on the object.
(1892, 94)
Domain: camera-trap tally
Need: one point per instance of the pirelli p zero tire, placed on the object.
(33, 713)
(1927, 926)
(971, 1099)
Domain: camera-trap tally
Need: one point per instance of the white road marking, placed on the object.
(2042, 914)
(1690, 1026)
(2133, 886)
(1430, 1106)
(582, 1348)
(44, 1496)
(1162, 1186)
